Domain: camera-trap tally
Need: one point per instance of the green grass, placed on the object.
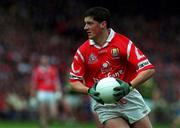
(34, 124)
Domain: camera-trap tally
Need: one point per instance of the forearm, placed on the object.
(58, 86)
(142, 77)
(32, 91)
(79, 87)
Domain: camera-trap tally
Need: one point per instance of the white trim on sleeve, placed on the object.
(81, 56)
(129, 49)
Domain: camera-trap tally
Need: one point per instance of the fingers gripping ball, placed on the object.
(122, 90)
(105, 88)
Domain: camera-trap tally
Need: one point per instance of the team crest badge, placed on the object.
(115, 52)
(92, 58)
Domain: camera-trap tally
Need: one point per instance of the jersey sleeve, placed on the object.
(136, 57)
(77, 69)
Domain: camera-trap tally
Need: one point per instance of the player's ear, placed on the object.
(103, 24)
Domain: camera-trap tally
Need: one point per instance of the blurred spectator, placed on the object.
(18, 107)
(160, 109)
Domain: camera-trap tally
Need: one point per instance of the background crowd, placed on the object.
(31, 28)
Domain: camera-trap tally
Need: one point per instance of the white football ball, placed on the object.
(105, 88)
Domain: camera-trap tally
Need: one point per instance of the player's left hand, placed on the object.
(121, 91)
(94, 94)
(58, 95)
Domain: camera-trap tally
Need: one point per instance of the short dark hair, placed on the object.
(99, 14)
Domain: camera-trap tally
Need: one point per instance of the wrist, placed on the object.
(130, 86)
(88, 90)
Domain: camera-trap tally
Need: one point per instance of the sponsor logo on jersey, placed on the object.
(143, 63)
(92, 58)
(115, 53)
(117, 74)
(106, 67)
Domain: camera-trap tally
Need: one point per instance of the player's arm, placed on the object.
(77, 72)
(33, 88)
(140, 63)
(142, 77)
(125, 88)
(59, 91)
(33, 84)
(58, 83)
(79, 87)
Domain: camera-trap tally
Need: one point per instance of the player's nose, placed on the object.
(85, 27)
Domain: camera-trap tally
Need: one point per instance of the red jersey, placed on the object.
(118, 58)
(45, 78)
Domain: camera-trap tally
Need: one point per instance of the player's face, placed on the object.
(44, 60)
(92, 27)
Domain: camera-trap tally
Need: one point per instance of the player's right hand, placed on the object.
(33, 103)
(58, 95)
(121, 91)
(94, 94)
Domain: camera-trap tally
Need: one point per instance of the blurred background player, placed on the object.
(46, 87)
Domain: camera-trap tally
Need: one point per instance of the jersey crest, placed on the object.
(92, 58)
(115, 53)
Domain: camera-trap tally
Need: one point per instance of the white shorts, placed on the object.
(132, 108)
(46, 97)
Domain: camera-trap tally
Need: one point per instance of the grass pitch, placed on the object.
(34, 124)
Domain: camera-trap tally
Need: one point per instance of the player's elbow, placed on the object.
(74, 85)
(151, 71)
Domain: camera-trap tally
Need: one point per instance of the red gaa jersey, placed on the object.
(118, 58)
(45, 78)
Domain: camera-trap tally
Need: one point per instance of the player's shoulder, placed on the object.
(53, 67)
(36, 69)
(121, 38)
(84, 47)
(120, 41)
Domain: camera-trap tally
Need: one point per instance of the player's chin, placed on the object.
(90, 37)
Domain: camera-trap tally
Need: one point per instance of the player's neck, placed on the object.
(44, 66)
(101, 39)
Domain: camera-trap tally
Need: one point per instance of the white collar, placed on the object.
(110, 37)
